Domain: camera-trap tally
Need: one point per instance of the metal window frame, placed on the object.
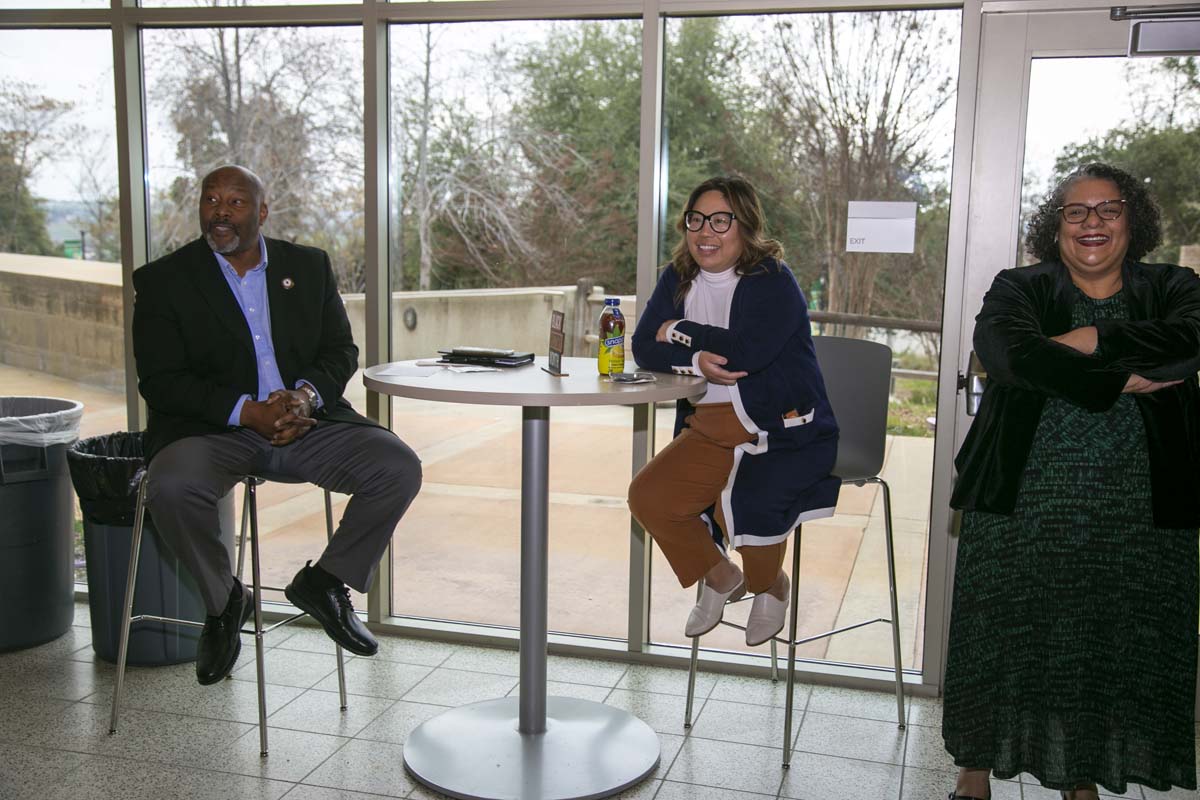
(376, 164)
(126, 20)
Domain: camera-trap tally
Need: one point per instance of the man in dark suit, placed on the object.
(243, 351)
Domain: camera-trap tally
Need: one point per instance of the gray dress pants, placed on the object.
(188, 477)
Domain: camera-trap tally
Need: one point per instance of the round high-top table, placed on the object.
(531, 747)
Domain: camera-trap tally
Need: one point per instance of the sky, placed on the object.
(35, 56)
(86, 78)
(1056, 118)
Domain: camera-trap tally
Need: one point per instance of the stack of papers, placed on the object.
(407, 371)
(486, 357)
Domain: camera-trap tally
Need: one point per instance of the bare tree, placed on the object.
(1165, 93)
(484, 197)
(472, 167)
(284, 102)
(856, 98)
(100, 212)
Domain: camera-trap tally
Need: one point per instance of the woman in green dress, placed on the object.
(1073, 636)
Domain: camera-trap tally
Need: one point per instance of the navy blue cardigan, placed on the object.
(782, 477)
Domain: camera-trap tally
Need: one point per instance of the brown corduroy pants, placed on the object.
(668, 495)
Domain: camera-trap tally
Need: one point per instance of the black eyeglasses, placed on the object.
(1076, 213)
(719, 221)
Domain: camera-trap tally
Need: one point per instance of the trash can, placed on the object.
(37, 516)
(106, 471)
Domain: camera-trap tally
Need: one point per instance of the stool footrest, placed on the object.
(816, 636)
(268, 628)
(154, 618)
(250, 526)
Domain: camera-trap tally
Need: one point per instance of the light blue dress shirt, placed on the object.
(250, 291)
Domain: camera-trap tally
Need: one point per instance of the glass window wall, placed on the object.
(512, 186)
(818, 110)
(61, 315)
(287, 103)
(514, 173)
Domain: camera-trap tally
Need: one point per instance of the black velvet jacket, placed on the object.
(1021, 311)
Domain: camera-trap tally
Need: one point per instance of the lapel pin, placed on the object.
(288, 283)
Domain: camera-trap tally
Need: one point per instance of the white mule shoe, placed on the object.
(710, 608)
(767, 614)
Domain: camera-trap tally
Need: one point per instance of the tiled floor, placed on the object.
(181, 740)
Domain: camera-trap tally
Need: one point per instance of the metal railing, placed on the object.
(873, 321)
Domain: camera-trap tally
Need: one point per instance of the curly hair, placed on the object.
(1145, 225)
(751, 222)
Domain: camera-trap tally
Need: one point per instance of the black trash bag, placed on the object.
(106, 471)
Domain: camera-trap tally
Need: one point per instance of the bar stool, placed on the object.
(857, 377)
(249, 520)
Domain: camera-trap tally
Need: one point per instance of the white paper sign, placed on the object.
(874, 226)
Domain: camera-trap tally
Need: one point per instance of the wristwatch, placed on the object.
(311, 393)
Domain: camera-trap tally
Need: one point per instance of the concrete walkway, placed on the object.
(457, 548)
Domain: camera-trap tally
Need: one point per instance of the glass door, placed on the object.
(1056, 91)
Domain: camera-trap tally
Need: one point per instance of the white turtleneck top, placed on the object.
(708, 302)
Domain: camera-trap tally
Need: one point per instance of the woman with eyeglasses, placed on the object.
(1072, 651)
(753, 451)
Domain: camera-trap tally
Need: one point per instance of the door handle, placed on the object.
(973, 383)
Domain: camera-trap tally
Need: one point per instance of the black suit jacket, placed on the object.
(193, 349)
(1161, 341)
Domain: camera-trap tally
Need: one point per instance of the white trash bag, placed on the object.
(39, 421)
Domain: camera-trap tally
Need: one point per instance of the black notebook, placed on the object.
(486, 356)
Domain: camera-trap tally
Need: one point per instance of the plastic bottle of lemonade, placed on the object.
(611, 354)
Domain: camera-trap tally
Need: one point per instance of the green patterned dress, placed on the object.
(1073, 638)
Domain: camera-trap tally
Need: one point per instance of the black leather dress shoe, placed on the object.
(957, 796)
(330, 606)
(220, 641)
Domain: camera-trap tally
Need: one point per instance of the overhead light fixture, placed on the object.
(1161, 30)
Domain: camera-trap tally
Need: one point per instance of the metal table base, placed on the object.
(588, 750)
(532, 747)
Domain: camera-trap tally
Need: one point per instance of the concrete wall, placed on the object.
(512, 318)
(489, 318)
(63, 317)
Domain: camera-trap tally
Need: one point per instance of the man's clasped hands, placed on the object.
(283, 417)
